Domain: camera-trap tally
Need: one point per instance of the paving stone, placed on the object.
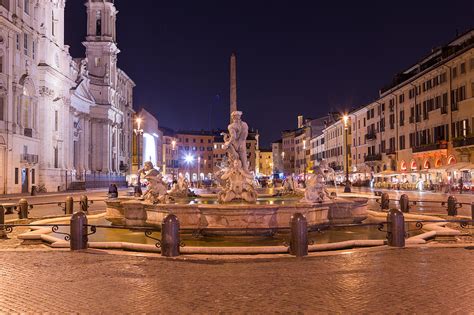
(439, 280)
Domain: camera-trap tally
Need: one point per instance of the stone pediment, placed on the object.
(82, 91)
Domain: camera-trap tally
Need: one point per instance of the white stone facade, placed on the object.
(60, 118)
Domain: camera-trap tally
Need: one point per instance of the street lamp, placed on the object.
(199, 171)
(138, 132)
(345, 119)
(173, 155)
(283, 162)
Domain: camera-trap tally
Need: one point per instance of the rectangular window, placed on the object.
(33, 176)
(56, 120)
(463, 68)
(33, 49)
(56, 157)
(26, 6)
(17, 41)
(402, 117)
(25, 44)
(2, 107)
(1, 64)
(53, 24)
(402, 142)
(17, 175)
(454, 72)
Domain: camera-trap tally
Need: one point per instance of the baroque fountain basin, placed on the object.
(227, 219)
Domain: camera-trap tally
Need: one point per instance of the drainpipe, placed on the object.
(450, 104)
(414, 118)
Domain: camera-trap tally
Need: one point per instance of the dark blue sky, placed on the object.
(304, 57)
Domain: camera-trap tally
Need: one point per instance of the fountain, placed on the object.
(236, 209)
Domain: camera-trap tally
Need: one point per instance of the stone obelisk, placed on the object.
(233, 84)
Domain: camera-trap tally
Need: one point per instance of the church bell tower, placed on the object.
(101, 48)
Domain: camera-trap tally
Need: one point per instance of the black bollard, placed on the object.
(79, 239)
(84, 204)
(452, 206)
(385, 201)
(23, 209)
(69, 206)
(113, 191)
(299, 235)
(3, 234)
(170, 240)
(404, 203)
(395, 228)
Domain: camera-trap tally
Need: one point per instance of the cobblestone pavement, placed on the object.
(439, 280)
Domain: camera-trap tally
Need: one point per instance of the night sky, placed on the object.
(292, 57)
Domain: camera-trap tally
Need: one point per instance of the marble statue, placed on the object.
(157, 192)
(239, 184)
(235, 142)
(181, 188)
(315, 191)
(289, 186)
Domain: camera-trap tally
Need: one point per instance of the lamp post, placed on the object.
(345, 119)
(283, 162)
(199, 171)
(173, 155)
(138, 132)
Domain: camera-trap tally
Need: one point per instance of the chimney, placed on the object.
(300, 121)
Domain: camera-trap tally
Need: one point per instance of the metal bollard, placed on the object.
(299, 235)
(385, 201)
(170, 240)
(79, 239)
(3, 233)
(84, 204)
(69, 206)
(23, 209)
(404, 203)
(452, 206)
(395, 228)
(472, 212)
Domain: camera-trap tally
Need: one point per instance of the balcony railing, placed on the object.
(373, 157)
(390, 151)
(463, 142)
(430, 147)
(371, 136)
(29, 158)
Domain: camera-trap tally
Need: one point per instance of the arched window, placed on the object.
(98, 23)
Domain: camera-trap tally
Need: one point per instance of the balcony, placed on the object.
(371, 136)
(373, 157)
(464, 142)
(390, 151)
(29, 158)
(430, 147)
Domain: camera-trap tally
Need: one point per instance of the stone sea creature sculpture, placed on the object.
(157, 192)
(181, 188)
(239, 185)
(315, 191)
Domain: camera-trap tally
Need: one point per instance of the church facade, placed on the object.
(63, 121)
